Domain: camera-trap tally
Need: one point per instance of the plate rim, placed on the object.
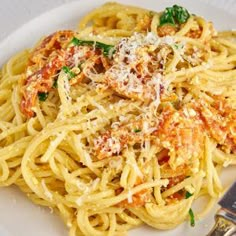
(58, 8)
(4, 42)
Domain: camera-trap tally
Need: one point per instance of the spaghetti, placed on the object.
(124, 122)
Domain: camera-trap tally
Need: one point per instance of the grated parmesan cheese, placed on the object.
(190, 189)
(129, 196)
(116, 164)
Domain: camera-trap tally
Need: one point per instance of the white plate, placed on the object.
(18, 216)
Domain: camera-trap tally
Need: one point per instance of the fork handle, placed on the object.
(224, 226)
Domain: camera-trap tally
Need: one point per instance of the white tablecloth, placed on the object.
(14, 13)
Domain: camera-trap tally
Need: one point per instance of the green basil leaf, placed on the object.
(55, 85)
(137, 130)
(174, 15)
(192, 218)
(107, 50)
(188, 195)
(181, 14)
(67, 70)
(42, 96)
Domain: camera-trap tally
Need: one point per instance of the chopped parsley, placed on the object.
(188, 195)
(67, 70)
(137, 130)
(190, 212)
(42, 96)
(107, 50)
(192, 218)
(174, 15)
(176, 46)
(55, 85)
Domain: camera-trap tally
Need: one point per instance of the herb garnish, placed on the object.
(55, 85)
(174, 15)
(67, 70)
(42, 96)
(188, 195)
(107, 50)
(137, 130)
(192, 218)
(190, 212)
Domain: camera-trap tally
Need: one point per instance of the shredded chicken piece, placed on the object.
(220, 122)
(195, 34)
(55, 41)
(49, 58)
(166, 30)
(144, 24)
(181, 132)
(139, 199)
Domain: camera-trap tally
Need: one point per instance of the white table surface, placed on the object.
(14, 13)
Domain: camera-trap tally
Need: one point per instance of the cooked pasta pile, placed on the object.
(122, 122)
